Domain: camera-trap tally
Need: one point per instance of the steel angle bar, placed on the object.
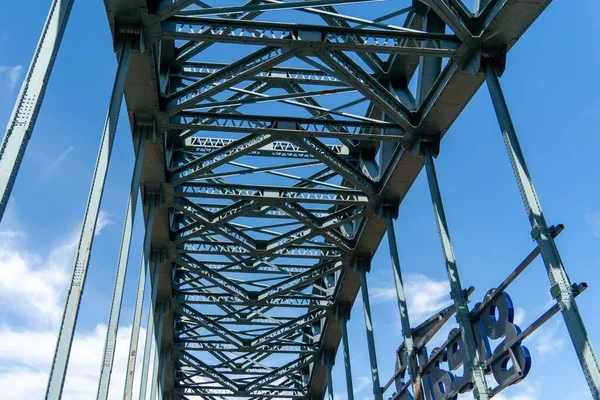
(22, 121)
(280, 372)
(554, 231)
(328, 14)
(151, 333)
(326, 228)
(211, 326)
(472, 359)
(229, 232)
(271, 348)
(284, 301)
(345, 315)
(290, 5)
(332, 38)
(192, 48)
(167, 8)
(232, 249)
(161, 309)
(407, 331)
(269, 170)
(329, 367)
(363, 266)
(221, 81)
(299, 280)
(272, 193)
(218, 157)
(289, 327)
(338, 164)
(119, 287)
(194, 70)
(207, 370)
(211, 276)
(135, 333)
(287, 126)
(82, 255)
(258, 98)
(561, 286)
(357, 77)
(453, 14)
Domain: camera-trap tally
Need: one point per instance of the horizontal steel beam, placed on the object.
(326, 38)
(287, 126)
(201, 145)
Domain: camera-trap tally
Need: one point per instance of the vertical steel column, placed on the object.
(161, 308)
(409, 345)
(329, 366)
(117, 299)
(363, 266)
(472, 360)
(561, 286)
(33, 89)
(147, 351)
(69, 320)
(166, 356)
(135, 331)
(344, 317)
(150, 330)
(139, 299)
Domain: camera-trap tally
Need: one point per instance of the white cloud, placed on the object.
(361, 383)
(60, 159)
(382, 294)
(424, 295)
(10, 76)
(32, 289)
(26, 356)
(103, 221)
(546, 339)
(30, 283)
(519, 316)
(520, 391)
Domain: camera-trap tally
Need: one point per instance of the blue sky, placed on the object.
(554, 108)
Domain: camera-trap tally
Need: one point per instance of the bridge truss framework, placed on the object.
(272, 157)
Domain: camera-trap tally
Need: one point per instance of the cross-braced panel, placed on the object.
(280, 137)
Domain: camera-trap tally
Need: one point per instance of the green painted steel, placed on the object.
(268, 169)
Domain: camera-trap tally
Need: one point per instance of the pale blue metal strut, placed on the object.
(150, 327)
(115, 310)
(363, 266)
(33, 89)
(472, 361)
(561, 286)
(347, 361)
(409, 344)
(139, 299)
(82, 255)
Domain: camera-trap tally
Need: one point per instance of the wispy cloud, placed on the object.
(10, 76)
(60, 159)
(521, 391)
(359, 384)
(103, 221)
(593, 222)
(424, 295)
(547, 340)
(34, 285)
(519, 316)
(30, 283)
(26, 355)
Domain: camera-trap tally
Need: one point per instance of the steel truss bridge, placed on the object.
(274, 141)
